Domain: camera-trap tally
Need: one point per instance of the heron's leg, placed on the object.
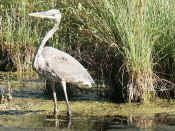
(66, 97)
(54, 99)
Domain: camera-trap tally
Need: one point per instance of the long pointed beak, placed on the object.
(43, 14)
(37, 14)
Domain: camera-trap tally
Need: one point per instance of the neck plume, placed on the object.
(49, 35)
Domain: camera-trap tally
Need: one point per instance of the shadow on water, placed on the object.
(21, 118)
(117, 123)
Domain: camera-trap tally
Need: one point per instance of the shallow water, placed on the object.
(21, 115)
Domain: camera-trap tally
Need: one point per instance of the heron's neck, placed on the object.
(49, 35)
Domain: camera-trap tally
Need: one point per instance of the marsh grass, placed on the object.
(135, 29)
(127, 43)
(19, 33)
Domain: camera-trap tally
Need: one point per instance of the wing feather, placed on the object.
(64, 66)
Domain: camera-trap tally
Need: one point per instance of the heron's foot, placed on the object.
(55, 115)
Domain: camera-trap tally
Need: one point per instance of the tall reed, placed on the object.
(18, 35)
(134, 27)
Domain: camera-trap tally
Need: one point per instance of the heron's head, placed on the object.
(50, 14)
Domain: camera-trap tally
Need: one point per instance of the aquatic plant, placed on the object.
(135, 29)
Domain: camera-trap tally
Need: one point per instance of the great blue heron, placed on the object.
(56, 65)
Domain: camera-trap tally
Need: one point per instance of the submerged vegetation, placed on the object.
(127, 45)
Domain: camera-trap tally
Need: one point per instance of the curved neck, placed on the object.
(49, 35)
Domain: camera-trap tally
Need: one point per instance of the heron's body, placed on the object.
(56, 65)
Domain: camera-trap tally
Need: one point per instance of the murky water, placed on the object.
(20, 114)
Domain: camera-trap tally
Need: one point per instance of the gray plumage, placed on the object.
(56, 65)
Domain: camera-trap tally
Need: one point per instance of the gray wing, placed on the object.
(65, 67)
